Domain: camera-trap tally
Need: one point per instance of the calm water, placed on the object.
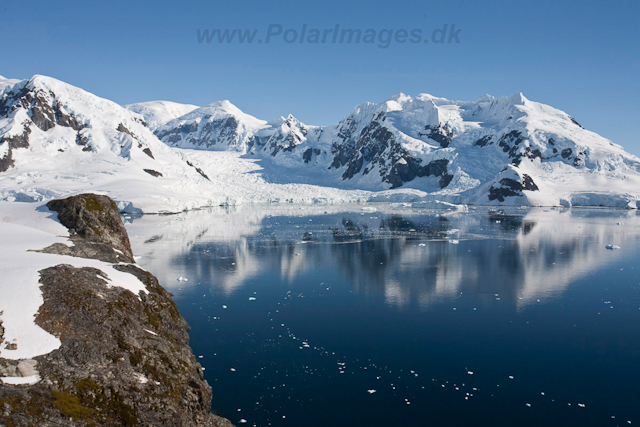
(453, 318)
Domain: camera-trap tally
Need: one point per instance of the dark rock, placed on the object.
(123, 129)
(566, 153)
(44, 109)
(83, 248)
(152, 172)
(224, 130)
(484, 140)
(575, 122)
(309, 153)
(200, 171)
(95, 218)
(148, 152)
(17, 141)
(512, 188)
(441, 134)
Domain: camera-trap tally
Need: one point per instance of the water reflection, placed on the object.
(411, 256)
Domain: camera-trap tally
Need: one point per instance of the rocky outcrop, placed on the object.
(125, 359)
(94, 218)
(509, 187)
(13, 142)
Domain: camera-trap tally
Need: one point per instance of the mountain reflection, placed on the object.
(411, 256)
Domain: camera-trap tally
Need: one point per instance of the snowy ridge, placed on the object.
(57, 140)
(158, 113)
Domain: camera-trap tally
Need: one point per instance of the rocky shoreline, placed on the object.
(124, 359)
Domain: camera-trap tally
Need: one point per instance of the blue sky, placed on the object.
(582, 57)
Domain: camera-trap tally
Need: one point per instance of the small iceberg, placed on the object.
(612, 247)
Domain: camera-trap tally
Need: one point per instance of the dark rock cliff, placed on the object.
(125, 359)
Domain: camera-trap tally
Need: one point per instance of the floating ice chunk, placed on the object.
(470, 372)
(612, 247)
(582, 405)
(232, 369)
(224, 306)
(454, 241)
(371, 391)
(182, 279)
(421, 244)
(529, 405)
(242, 421)
(252, 298)
(510, 377)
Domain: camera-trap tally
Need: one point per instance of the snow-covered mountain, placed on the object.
(56, 140)
(157, 113)
(507, 150)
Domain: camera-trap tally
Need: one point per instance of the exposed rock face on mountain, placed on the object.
(124, 359)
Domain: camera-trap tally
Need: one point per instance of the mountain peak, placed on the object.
(518, 99)
(400, 97)
(224, 105)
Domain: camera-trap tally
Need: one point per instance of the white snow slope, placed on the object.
(157, 113)
(57, 140)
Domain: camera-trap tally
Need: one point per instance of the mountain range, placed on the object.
(56, 139)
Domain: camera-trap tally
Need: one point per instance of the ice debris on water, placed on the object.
(612, 247)
(182, 279)
(252, 298)
(454, 241)
(371, 391)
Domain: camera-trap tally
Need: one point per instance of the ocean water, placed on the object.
(385, 315)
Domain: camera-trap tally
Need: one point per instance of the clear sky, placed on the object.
(580, 56)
